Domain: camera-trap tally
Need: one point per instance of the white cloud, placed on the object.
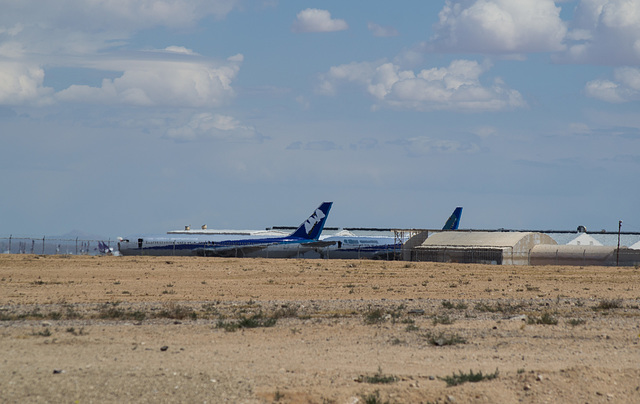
(624, 88)
(380, 31)
(314, 20)
(605, 32)
(423, 145)
(486, 131)
(21, 83)
(499, 26)
(81, 26)
(11, 31)
(179, 49)
(175, 82)
(69, 34)
(214, 126)
(456, 87)
(11, 50)
(111, 15)
(579, 128)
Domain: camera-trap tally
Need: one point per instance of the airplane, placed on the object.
(454, 220)
(221, 245)
(345, 245)
(103, 248)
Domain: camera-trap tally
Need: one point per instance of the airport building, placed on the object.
(584, 255)
(515, 248)
(478, 247)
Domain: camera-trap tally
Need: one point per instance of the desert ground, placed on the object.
(211, 330)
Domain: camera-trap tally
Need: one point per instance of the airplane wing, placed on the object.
(318, 244)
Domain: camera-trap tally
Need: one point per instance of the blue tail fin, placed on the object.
(312, 227)
(454, 220)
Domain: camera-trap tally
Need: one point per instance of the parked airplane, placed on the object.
(349, 246)
(454, 220)
(248, 245)
(103, 248)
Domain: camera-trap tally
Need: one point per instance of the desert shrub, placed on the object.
(461, 378)
(545, 319)
(498, 308)
(444, 319)
(373, 398)
(374, 316)
(44, 333)
(177, 312)
(378, 378)
(285, 311)
(254, 321)
(609, 304)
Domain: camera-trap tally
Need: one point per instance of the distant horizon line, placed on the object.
(95, 237)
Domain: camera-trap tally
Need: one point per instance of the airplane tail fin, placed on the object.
(103, 248)
(454, 220)
(312, 227)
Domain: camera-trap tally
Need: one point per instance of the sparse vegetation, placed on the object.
(609, 304)
(277, 396)
(412, 327)
(458, 306)
(444, 319)
(373, 398)
(397, 341)
(576, 321)
(457, 379)
(111, 311)
(378, 378)
(255, 321)
(286, 311)
(72, 330)
(498, 308)
(44, 333)
(312, 310)
(177, 312)
(545, 319)
(374, 316)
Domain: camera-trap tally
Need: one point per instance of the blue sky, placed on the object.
(129, 116)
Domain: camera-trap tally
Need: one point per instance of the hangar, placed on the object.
(584, 239)
(479, 247)
(584, 255)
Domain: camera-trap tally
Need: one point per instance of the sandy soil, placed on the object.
(151, 329)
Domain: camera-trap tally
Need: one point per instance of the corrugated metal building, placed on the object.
(497, 248)
(584, 255)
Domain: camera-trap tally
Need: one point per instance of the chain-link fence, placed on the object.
(50, 246)
(540, 255)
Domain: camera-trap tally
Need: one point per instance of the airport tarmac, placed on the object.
(189, 329)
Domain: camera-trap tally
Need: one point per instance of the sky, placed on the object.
(120, 116)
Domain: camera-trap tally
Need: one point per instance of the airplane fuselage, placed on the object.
(225, 245)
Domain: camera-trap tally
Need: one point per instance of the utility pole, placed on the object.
(618, 251)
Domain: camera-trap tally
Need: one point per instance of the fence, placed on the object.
(51, 246)
(540, 255)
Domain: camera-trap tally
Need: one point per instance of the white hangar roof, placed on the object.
(485, 239)
(584, 239)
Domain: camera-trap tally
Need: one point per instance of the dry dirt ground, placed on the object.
(165, 329)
